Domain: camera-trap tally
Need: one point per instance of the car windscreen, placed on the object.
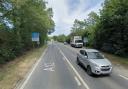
(78, 41)
(95, 55)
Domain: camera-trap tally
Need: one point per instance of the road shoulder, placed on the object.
(12, 74)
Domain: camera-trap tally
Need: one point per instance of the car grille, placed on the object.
(105, 68)
(79, 45)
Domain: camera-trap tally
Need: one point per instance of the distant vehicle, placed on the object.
(94, 62)
(76, 41)
(65, 43)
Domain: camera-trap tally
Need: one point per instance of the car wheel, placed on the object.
(75, 46)
(89, 71)
(78, 62)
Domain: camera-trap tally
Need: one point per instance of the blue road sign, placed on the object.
(35, 36)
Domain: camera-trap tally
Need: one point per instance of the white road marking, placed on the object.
(77, 80)
(78, 75)
(49, 69)
(124, 77)
(30, 74)
(49, 66)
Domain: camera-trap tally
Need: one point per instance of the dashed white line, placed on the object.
(77, 80)
(78, 75)
(124, 77)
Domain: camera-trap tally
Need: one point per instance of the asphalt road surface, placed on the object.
(57, 69)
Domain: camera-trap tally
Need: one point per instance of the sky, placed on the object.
(66, 11)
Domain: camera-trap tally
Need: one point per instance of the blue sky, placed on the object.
(66, 11)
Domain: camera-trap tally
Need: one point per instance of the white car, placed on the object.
(94, 62)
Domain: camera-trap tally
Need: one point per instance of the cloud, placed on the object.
(66, 11)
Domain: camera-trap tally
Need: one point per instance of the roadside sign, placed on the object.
(85, 39)
(35, 36)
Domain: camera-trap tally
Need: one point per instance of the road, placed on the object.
(57, 69)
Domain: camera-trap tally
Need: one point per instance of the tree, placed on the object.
(87, 27)
(112, 31)
(60, 38)
(18, 20)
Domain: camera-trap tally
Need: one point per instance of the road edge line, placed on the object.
(124, 77)
(78, 81)
(32, 70)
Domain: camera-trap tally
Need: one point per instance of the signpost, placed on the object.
(35, 37)
(85, 40)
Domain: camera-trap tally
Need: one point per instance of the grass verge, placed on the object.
(116, 60)
(14, 71)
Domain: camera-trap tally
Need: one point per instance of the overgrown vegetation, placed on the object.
(18, 19)
(112, 30)
(107, 31)
(13, 73)
(60, 38)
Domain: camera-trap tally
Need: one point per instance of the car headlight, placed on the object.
(110, 66)
(96, 65)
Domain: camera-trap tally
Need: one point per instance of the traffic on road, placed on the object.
(58, 69)
(94, 62)
(63, 44)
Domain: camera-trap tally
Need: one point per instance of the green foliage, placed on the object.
(18, 20)
(112, 31)
(60, 38)
(109, 30)
(86, 28)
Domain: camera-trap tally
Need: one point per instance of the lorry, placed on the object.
(76, 41)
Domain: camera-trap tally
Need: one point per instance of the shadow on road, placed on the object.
(94, 75)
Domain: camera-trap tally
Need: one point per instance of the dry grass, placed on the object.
(13, 72)
(116, 60)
